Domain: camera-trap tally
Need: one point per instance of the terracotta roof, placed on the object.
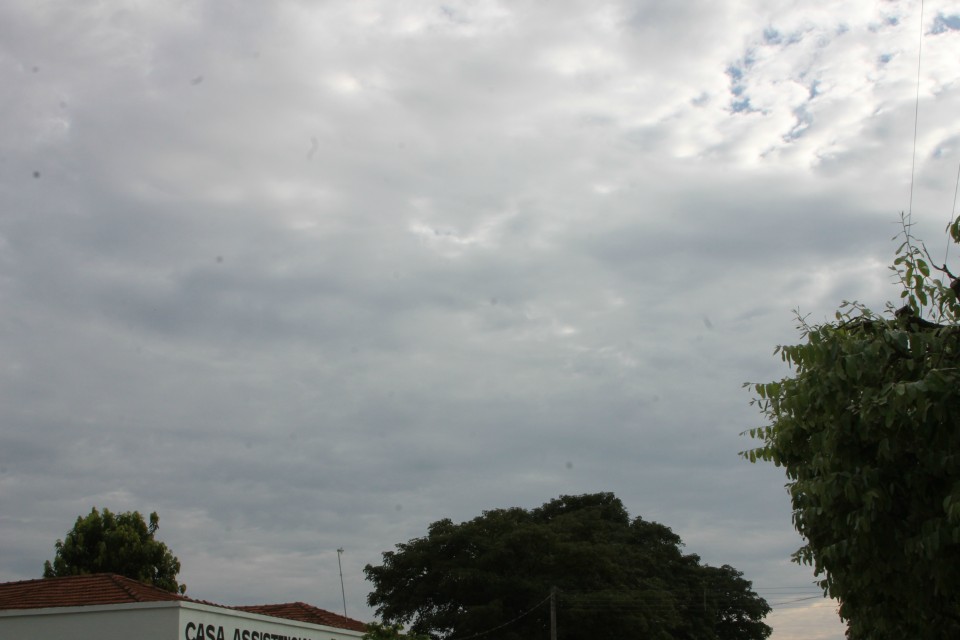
(79, 591)
(305, 613)
(108, 588)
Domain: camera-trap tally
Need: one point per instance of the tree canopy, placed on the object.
(380, 631)
(116, 543)
(615, 577)
(867, 428)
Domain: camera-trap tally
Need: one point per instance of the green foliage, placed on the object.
(116, 543)
(378, 631)
(616, 577)
(868, 431)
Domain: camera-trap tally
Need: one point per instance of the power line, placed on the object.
(795, 600)
(607, 602)
(916, 117)
(509, 622)
(953, 215)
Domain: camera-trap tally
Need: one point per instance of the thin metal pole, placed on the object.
(342, 591)
(553, 613)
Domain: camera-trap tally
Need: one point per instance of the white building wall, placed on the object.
(158, 621)
(119, 622)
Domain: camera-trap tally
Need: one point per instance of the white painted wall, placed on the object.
(157, 621)
(145, 621)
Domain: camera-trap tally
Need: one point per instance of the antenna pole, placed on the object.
(342, 591)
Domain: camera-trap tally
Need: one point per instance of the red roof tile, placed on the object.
(108, 588)
(79, 591)
(305, 613)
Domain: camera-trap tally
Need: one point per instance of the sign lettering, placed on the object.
(200, 631)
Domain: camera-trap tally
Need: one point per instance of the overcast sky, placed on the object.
(309, 275)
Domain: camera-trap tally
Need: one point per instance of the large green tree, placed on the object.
(116, 543)
(867, 428)
(615, 577)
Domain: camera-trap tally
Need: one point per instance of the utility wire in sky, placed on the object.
(953, 215)
(507, 623)
(916, 117)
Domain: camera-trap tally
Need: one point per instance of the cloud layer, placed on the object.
(304, 276)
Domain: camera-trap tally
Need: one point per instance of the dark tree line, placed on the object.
(616, 577)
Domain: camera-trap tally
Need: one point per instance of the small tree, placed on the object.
(868, 431)
(116, 543)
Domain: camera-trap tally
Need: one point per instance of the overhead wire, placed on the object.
(916, 119)
(953, 216)
(602, 602)
(913, 162)
(795, 600)
(505, 624)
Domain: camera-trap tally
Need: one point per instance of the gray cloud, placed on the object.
(302, 276)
